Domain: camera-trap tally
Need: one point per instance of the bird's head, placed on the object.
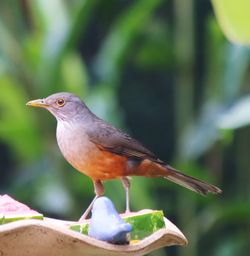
(63, 105)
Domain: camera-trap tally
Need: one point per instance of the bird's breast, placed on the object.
(86, 156)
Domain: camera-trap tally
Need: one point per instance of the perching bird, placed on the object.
(103, 152)
(106, 224)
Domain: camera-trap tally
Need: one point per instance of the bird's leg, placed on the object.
(99, 191)
(87, 211)
(126, 184)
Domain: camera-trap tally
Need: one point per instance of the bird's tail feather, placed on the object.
(190, 182)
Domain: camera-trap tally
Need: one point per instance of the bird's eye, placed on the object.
(60, 102)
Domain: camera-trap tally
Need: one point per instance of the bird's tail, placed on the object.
(190, 182)
(159, 169)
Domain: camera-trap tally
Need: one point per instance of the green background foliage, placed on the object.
(160, 70)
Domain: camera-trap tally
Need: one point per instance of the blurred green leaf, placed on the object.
(17, 126)
(59, 38)
(11, 54)
(126, 28)
(200, 136)
(236, 64)
(155, 52)
(103, 102)
(74, 74)
(237, 115)
(219, 217)
(231, 244)
(43, 12)
(233, 17)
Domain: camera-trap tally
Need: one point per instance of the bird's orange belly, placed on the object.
(102, 165)
(87, 157)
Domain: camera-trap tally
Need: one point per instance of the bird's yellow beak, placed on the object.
(40, 103)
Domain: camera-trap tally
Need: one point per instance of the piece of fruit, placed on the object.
(12, 210)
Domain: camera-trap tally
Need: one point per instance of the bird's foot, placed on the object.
(127, 211)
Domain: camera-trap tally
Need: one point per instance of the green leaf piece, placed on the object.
(145, 224)
(1, 218)
(15, 217)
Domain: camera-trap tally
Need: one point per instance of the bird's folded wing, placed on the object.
(113, 140)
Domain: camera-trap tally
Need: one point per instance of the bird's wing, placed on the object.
(113, 140)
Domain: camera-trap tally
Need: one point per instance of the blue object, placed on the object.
(106, 224)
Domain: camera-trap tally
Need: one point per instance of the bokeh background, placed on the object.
(161, 70)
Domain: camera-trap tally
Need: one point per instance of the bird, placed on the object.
(103, 152)
(106, 224)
